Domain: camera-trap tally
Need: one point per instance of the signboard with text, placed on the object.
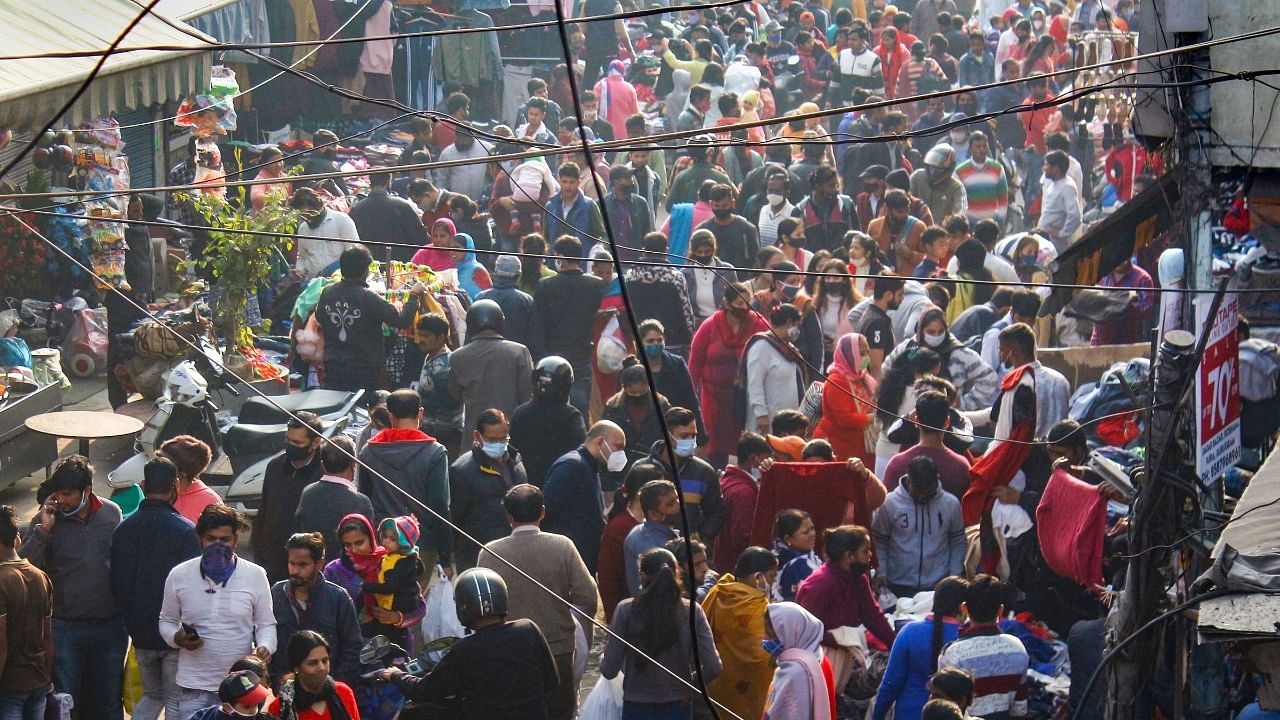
(1218, 389)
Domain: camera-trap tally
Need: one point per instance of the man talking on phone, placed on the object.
(216, 610)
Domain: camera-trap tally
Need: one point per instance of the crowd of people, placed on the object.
(851, 297)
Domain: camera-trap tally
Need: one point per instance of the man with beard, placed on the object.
(899, 233)
(306, 601)
(316, 255)
(827, 213)
(875, 324)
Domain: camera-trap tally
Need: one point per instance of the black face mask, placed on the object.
(702, 259)
(297, 454)
(723, 213)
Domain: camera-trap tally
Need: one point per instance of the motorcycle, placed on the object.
(380, 651)
(241, 445)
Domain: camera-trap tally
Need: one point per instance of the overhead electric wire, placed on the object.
(227, 46)
(292, 415)
(84, 86)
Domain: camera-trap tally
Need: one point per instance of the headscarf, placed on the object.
(848, 361)
(468, 267)
(367, 565)
(438, 258)
(1171, 267)
(927, 316)
(799, 687)
(735, 612)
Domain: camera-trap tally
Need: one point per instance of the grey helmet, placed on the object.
(479, 592)
(485, 315)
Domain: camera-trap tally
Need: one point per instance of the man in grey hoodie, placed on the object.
(412, 461)
(918, 532)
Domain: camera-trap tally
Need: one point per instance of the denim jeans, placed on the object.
(88, 663)
(160, 691)
(656, 711)
(191, 702)
(580, 391)
(23, 706)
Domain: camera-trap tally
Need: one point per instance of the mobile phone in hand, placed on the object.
(190, 630)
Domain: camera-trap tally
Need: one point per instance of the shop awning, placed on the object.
(1117, 237)
(31, 91)
(227, 21)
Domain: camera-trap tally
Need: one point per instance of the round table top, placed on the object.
(83, 424)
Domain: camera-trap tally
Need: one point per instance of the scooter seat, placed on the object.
(254, 439)
(263, 411)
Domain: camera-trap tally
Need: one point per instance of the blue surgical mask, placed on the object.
(654, 351)
(495, 450)
(84, 500)
(685, 446)
(773, 646)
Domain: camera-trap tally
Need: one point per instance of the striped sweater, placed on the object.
(987, 188)
(999, 665)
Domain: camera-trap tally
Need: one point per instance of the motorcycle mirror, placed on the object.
(374, 650)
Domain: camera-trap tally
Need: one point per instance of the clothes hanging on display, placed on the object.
(474, 61)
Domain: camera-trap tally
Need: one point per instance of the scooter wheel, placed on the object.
(82, 365)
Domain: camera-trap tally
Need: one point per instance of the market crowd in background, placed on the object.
(884, 490)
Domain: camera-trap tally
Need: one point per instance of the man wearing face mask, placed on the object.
(775, 377)
(316, 255)
(287, 475)
(574, 496)
(553, 561)
(479, 479)
(918, 533)
(870, 202)
(737, 241)
(70, 540)
(215, 607)
(240, 696)
(776, 206)
(740, 485)
(1024, 307)
(699, 481)
(629, 213)
(827, 213)
(661, 508)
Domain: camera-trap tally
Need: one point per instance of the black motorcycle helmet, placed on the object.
(485, 315)
(552, 378)
(479, 592)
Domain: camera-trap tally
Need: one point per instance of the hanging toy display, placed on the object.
(211, 112)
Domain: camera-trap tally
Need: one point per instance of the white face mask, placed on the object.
(617, 459)
(959, 138)
(793, 334)
(775, 199)
(934, 340)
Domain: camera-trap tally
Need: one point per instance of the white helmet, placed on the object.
(186, 386)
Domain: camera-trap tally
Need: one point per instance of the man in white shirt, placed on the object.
(775, 208)
(315, 255)
(216, 610)
(1060, 217)
(468, 179)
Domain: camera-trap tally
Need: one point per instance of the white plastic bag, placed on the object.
(605, 700)
(580, 650)
(441, 619)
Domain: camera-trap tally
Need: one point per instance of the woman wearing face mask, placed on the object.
(848, 401)
(657, 622)
(834, 297)
(897, 398)
(865, 261)
(839, 594)
(311, 694)
(975, 381)
(914, 656)
(735, 608)
(803, 687)
(971, 259)
(794, 538)
(191, 456)
(670, 372)
(632, 408)
(775, 375)
(714, 361)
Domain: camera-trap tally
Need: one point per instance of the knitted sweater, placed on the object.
(999, 665)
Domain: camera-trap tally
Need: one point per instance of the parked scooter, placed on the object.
(379, 650)
(238, 443)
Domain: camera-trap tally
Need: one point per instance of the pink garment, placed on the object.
(192, 501)
(1071, 521)
(848, 360)
(435, 258)
(617, 99)
(378, 55)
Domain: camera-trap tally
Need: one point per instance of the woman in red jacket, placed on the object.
(848, 401)
(714, 359)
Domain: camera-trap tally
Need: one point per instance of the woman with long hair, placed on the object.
(970, 265)
(312, 694)
(897, 398)
(833, 297)
(802, 687)
(914, 656)
(1039, 59)
(865, 260)
(656, 622)
(611, 574)
(734, 609)
(848, 401)
(714, 361)
(190, 455)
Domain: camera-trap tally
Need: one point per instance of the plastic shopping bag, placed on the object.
(441, 619)
(132, 681)
(605, 701)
